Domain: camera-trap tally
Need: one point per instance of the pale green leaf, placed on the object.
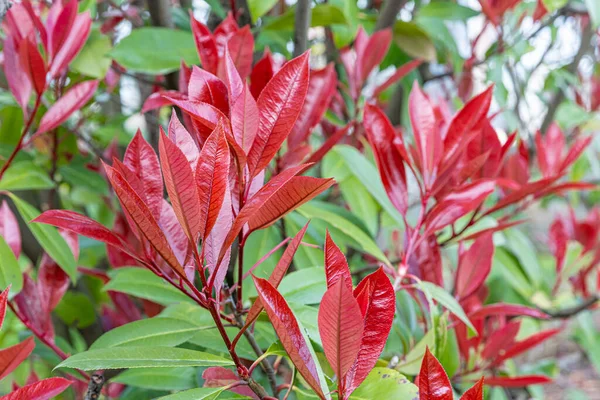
(446, 11)
(10, 273)
(195, 394)
(385, 383)
(25, 175)
(411, 363)
(258, 8)
(305, 286)
(158, 378)
(414, 41)
(93, 59)
(445, 299)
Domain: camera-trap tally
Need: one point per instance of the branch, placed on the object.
(94, 387)
(572, 311)
(389, 11)
(301, 25)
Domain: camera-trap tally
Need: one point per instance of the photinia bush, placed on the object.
(274, 229)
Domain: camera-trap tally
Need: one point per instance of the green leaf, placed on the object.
(141, 357)
(361, 202)
(76, 309)
(148, 332)
(322, 15)
(25, 175)
(258, 8)
(414, 41)
(158, 378)
(446, 299)
(10, 273)
(411, 364)
(155, 50)
(446, 11)
(305, 286)
(144, 284)
(525, 251)
(385, 383)
(552, 5)
(49, 238)
(192, 313)
(93, 59)
(78, 175)
(593, 7)
(365, 243)
(195, 394)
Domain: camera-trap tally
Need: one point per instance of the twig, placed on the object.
(572, 311)
(301, 25)
(94, 387)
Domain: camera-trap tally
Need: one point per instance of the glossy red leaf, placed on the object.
(3, 300)
(389, 155)
(287, 329)
(426, 261)
(475, 392)
(262, 73)
(336, 265)
(218, 377)
(59, 29)
(204, 116)
(458, 203)
(525, 344)
(212, 178)
(231, 77)
(161, 99)
(294, 193)
(278, 272)
(377, 302)
(82, 225)
(244, 119)
(400, 73)
(143, 218)
(205, 44)
(214, 243)
(474, 266)
(181, 187)
(341, 327)
(427, 137)
(279, 105)
(9, 229)
(208, 88)
(433, 381)
(176, 236)
(42, 390)
(321, 89)
(11, 357)
(374, 52)
(73, 100)
(16, 73)
(34, 64)
(39, 26)
(507, 310)
(182, 139)
(517, 381)
(74, 42)
(241, 49)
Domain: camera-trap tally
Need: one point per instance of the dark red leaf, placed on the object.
(32, 61)
(53, 282)
(474, 266)
(9, 229)
(208, 88)
(244, 120)
(59, 29)
(205, 44)
(287, 329)
(426, 261)
(42, 390)
(73, 100)
(32, 307)
(475, 392)
(77, 37)
(279, 105)
(341, 327)
(427, 137)
(376, 300)
(11, 357)
(507, 310)
(336, 266)
(433, 381)
(387, 147)
(181, 187)
(517, 381)
(400, 73)
(262, 73)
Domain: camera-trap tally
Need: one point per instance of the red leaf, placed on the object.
(336, 266)
(16, 73)
(474, 266)
(389, 154)
(549, 150)
(279, 105)
(340, 327)
(287, 329)
(426, 261)
(32, 306)
(229, 73)
(507, 310)
(244, 119)
(520, 194)
(219, 377)
(400, 73)
(458, 203)
(53, 282)
(241, 49)
(214, 243)
(59, 29)
(374, 52)
(72, 101)
(500, 227)
(525, 344)
(42, 390)
(78, 35)
(558, 238)
(82, 225)
(427, 136)
(278, 272)
(321, 89)
(208, 88)
(475, 392)
(9, 229)
(143, 218)
(161, 99)
(433, 381)
(290, 196)
(205, 116)
(182, 138)
(574, 152)
(262, 73)
(518, 381)
(3, 300)
(500, 340)
(34, 64)
(181, 187)
(328, 145)
(205, 44)
(212, 178)
(141, 159)
(377, 302)
(11, 357)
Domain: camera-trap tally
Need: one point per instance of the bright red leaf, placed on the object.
(517, 381)
(336, 266)
(433, 381)
(42, 390)
(11, 357)
(475, 392)
(474, 266)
